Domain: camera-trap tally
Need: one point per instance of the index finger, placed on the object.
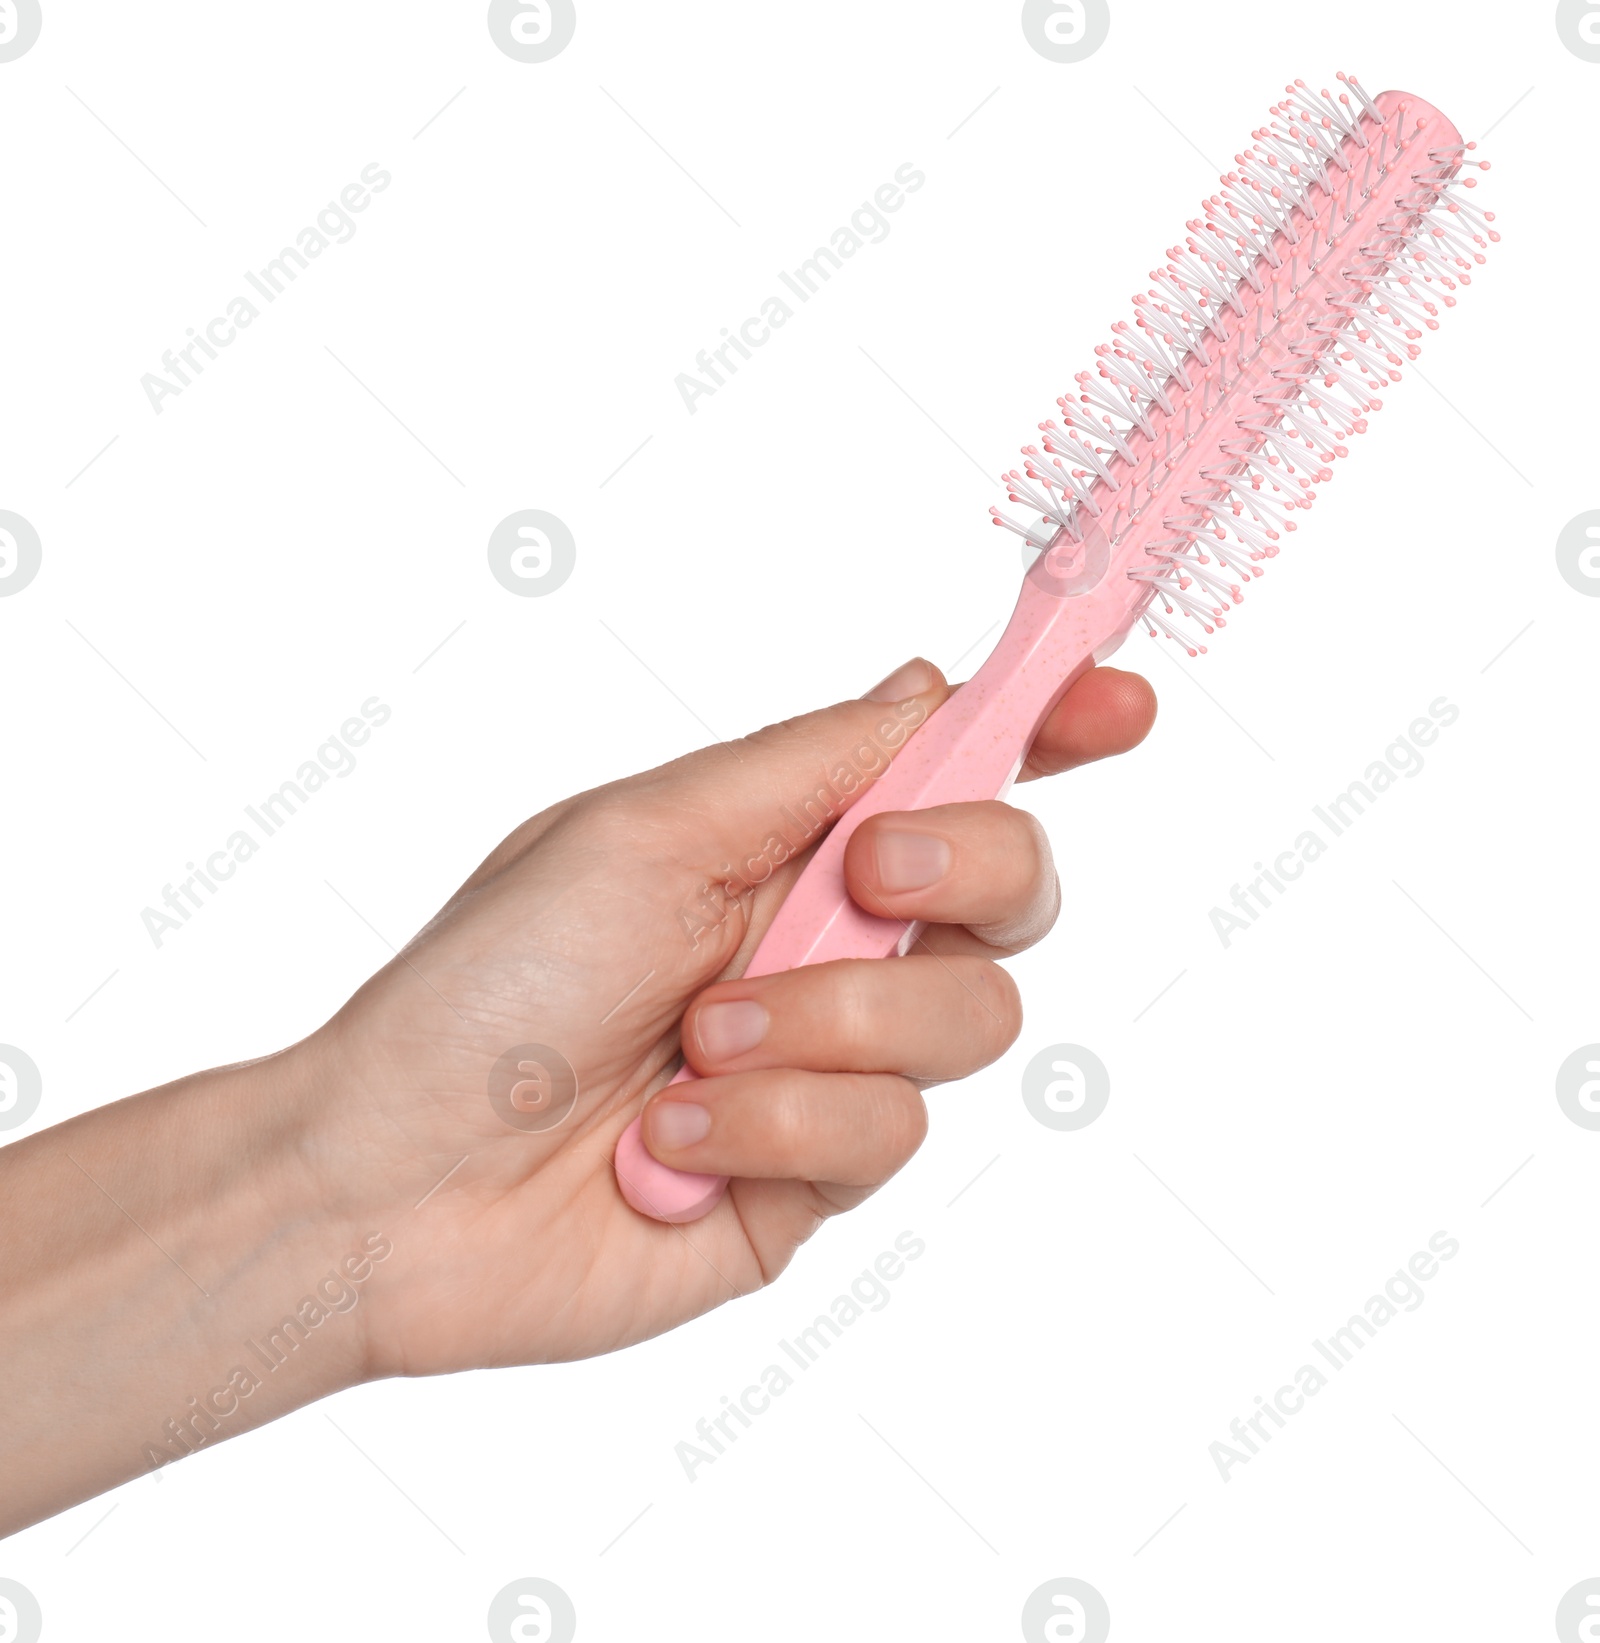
(1106, 712)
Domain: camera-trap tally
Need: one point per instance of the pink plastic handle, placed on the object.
(971, 748)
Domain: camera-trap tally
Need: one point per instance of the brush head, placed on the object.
(1259, 349)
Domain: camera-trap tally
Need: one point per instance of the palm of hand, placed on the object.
(527, 1251)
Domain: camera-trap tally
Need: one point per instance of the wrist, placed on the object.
(298, 1253)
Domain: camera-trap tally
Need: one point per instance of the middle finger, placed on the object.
(984, 865)
(926, 1017)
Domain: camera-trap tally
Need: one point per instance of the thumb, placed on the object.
(772, 794)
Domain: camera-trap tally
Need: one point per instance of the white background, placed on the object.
(1340, 1084)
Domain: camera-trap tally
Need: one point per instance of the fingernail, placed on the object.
(910, 680)
(674, 1124)
(726, 1030)
(910, 861)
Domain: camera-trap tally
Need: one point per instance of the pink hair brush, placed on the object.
(1176, 467)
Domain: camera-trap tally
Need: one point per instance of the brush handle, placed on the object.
(970, 748)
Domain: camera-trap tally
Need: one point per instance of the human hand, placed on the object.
(196, 1242)
(592, 932)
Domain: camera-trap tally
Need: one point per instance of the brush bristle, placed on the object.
(1269, 271)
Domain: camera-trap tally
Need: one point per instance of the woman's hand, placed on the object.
(425, 1183)
(590, 934)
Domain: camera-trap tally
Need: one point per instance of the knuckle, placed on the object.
(606, 821)
(852, 992)
(1049, 921)
(1027, 899)
(1033, 847)
(784, 1124)
(902, 1119)
(995, 1008)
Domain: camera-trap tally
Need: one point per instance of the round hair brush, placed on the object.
(1177, 466)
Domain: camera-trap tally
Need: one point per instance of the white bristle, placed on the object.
(1206, 296)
